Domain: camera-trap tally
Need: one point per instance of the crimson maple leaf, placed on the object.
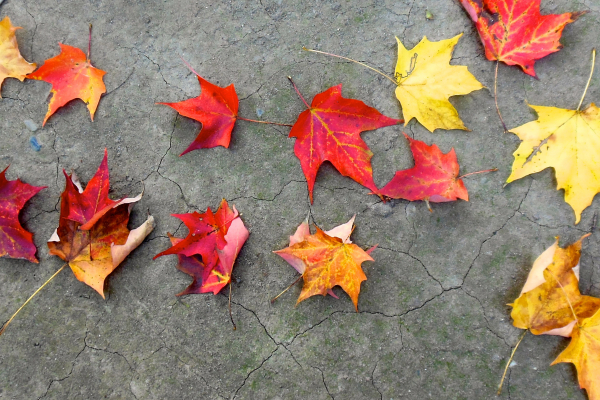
(92, 235)
(210, 249)
(434, 177)
(15, 241)
(514, 31)
(72, 76)
(330, 131)
(216, 108)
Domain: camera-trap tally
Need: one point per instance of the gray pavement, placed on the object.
(433, 320)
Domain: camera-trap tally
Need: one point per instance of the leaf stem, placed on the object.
(31, 297)
(263, 122)
(286, 289)
(478, 172)
(297, 91)
(496, 97)
(508, 363)
(354, 61)
(187, 64)
(230, 314)
(589, 79)
(89, 44)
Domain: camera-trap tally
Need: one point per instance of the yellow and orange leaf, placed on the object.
(12, 64)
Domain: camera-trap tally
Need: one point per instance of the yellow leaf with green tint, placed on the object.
(426, 81)
(584, 353)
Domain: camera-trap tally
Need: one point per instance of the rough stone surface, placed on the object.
(433, 320)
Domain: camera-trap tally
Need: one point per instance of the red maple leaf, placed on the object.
(514, 31)
(15, 241)
(72, 76)
(433, 178)
(330, 131)
(210, 249)
(216, 108)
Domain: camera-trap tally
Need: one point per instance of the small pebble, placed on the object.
(260, 112)
(32, 126)
(35, 145)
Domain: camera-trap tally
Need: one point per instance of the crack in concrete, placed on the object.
(253, 371)
(324, 382)
(373, 380)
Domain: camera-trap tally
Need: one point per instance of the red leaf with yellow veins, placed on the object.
(514, 31)
(330, 131)
(92, 234)
(216, 108)
(12, 64)
(327, 261)
(433, 178)
(15, 241)
(72, 76)
(209, 251)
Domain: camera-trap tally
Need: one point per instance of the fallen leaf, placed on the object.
(433, 178)
(12, 64)
(551, 289)
(327, 261)
(330, 131)
(216, 109)
(565, 140)
(514, 31)
(92, 234)
(72, 76)
(426, 81)
(209, 251)
(15, 241)
(584, 352)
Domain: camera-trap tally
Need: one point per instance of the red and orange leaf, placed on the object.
(15, 241)
(216, 108)
(326, 261)
(433, 178)
(12, 64)
(212, 264)
(514, 31)
(92, 235)
(72, 76)
(330, 131)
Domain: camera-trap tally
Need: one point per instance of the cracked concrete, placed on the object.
(432, 320)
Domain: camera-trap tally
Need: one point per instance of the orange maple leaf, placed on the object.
(12, 64)
(92, 234)
(325, 262)
(72, 76)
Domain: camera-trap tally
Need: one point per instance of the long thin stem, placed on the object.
(354, 61)
(589, 79)
(31, 297)
(230, 314)
(263, 122)
(89, 44)
(286, 289)
(496, 97)
(478, 172)
(508, 363)
(297, 91)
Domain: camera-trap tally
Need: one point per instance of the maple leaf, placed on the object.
(15, 241)
(216, 108)
(514, 31)
(92, 235)
(434, 177)
(12, 64)
(330, 131)
(551, 294)
(426, 80)
(326, 260)
(584, 352)
(72, 76)
(209, 251)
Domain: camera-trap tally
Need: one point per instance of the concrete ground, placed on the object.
(433, 320)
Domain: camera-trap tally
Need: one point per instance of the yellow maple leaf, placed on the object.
(568, 141)
(426, 81)
(12, 64)
(584, 352)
